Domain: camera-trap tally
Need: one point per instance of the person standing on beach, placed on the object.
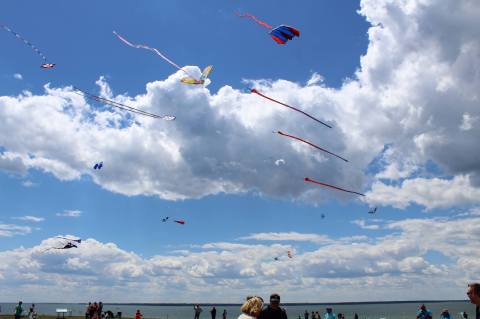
(213, 313)
(87, 311)
(305, 315)
(251, 308)
(100, 310)
(197, 310)
(445, 314)
(138, 314)
(424, 313)
(330, 314)
(18, 310)
(224, 314)
(356, 316)
(273, 310)
(473, 293)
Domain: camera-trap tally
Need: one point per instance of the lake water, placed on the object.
(365, 311)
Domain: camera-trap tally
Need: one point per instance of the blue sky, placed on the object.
(215, 165)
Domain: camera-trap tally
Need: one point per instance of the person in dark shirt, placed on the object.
(213, 312)
(273, 310)
(473, 293)
(306, 314)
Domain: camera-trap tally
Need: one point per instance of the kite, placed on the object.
(311, 144)
(66, 246)
(70, 239)
(289, 254)
(98, 166)
(280, 34)
(122, 106)
(331, 186)
(178, 221)
(290, 107)
(45, 63)
(373, 211)
(141, 46)
(202, 79)
(322, 216)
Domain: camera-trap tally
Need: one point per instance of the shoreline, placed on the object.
(186, 304)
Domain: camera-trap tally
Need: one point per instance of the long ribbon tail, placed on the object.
(311, 144)
(290, 107)
(331, 186)
(25, 41)
(250, 16)
(122, 106)
(141, 46)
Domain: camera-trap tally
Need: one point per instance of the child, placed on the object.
(138, 315)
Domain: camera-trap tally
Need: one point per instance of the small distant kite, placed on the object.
(290, 107)
(98, 166)
(178, 221)
(122, 106)
(322, 216)
(373, 211)
(71, 239)
(280, 34)
(68, 245)
(206, 72)
(45, 64)
(311, 144)
(331, 186)
(160, 54)
(289, 255)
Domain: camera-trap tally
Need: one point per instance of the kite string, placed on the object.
(290, 107)
(25, 41)
(311, 144)
(331, 186)
(141, 46)
(248, 15)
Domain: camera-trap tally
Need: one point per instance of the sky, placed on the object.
(397, 81)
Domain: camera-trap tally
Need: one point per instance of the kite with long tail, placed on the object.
(178, 221)
(311, 144)
(280, 34)
(71, 239)
(68, 245)
(290, 107)
(331, 186)
(160, 54)
(122, 106)
(45, 64)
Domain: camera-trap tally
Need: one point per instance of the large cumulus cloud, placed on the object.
(416, 91)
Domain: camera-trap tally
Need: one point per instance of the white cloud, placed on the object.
(362, 224)
(28, 183)
(287, 236)
(416, 90)
(381, 269)
(70, 213)
(30, 218)
(18, 76)
(9, 230)
(431, 193)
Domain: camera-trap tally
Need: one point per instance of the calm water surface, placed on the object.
(365, 311)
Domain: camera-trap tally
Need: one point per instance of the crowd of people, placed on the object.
(253, 308)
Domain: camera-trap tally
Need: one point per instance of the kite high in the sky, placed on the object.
(290, 107)
(311, 144)
(98, 165)
(373, 211)
(78, 240)
(205, 73)
(122, 106)
(178, 221)
(332, 186)
(280, 34)
(160, 54)
(68, 245)
(45, 64)
(289, 255)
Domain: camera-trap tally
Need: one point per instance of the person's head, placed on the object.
(473, 293)
(329, 310)
(274, 301)
(138, 310)
(252, 306)
(423, 308)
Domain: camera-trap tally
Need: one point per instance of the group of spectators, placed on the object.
(329, 314)
(95, 311)
(32, 314)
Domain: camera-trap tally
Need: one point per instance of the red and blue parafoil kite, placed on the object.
(280, 34)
